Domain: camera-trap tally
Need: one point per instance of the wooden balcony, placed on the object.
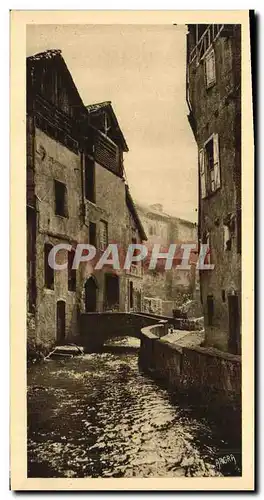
(206, 40)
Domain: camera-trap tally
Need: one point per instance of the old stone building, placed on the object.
(76, 194)
(171, 287)
(136, 234)
(214, 100)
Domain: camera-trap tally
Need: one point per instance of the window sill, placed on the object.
(210, 85)
(93, 203)
(48, 290)
(210, 195)
(62, 216)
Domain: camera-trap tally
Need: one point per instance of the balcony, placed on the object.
(107, 153)
(204, 43)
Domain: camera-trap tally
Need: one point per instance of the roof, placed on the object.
(47, 54)
(133, 211)
(55, 55)
(94, 108)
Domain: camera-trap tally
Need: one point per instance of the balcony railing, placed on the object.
(205, 42)
(107, 153)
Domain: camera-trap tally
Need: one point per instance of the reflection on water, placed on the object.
(98, 416)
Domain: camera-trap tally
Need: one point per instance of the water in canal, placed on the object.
(97, 415)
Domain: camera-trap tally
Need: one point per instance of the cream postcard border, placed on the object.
(18, 423)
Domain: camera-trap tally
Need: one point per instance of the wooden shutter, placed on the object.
(210, 68)
(202, 173)
(103, 235)
(217, 177)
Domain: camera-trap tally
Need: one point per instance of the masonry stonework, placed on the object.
(215, 118)
(76, 194)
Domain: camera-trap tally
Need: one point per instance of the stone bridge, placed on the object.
(97, 328)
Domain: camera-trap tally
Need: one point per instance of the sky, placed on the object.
(141, 69)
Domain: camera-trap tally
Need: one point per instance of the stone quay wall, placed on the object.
(209, 377)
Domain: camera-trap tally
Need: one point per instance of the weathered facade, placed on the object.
(171, 286)
(214, 100)
(76, 194)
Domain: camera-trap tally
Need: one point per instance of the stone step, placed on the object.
(68, 350)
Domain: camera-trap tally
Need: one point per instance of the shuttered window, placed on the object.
(103, 235)
(209, 166)
(107, 153)
(202, 173)
(210, 75)
(217, 180)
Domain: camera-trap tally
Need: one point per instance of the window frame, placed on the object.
(209, 82)
(72, 274)
(102, 245)
(94, 225)
(204, 171)
(65, 213)
(48, 271)
(89, 191)
(210, 309)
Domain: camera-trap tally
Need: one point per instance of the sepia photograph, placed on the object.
(133, 262)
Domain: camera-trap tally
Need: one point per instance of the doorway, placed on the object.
(90, 295)
(60, 321)
(234, 324)
(111, 292)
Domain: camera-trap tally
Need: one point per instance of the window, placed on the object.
(60, 199)
(227, 238)
(92, 234)
(210, 76)
(209, 157)
(48, 271)
(209, 166)
(71, 272)
(202, 173)
(135, 267)
(103, 235)
(108, 154)
(210, 309)
(206, 241)
(234, 323)
(89, 177)
(111, 292)
(131, 295)
(229, 231)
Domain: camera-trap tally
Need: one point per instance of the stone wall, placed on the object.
(164, 229)
(54, 161)
(211, 109)
(211, 378)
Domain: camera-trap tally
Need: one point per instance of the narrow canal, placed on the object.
(98, 416)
